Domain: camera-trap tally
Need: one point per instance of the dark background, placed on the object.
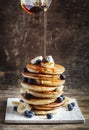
(21, 39)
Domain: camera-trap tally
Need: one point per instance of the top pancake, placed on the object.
(58, 69)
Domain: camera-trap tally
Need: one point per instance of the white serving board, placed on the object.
(62, 116)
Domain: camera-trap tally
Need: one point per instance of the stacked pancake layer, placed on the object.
(42, 86)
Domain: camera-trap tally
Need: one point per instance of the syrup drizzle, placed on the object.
(45, 31)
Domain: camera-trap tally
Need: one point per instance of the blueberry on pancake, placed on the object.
(27, 95)
(59, 99)
(25, 80)
(25, 69)
(62, 76)
(38, 62)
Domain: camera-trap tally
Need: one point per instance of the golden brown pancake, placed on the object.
(37, 101)
(45, 81)
(44, 112)
(40, 76)
(58, 69)
(37, 88)
(49, 106)
(50, 83)
(51, 94)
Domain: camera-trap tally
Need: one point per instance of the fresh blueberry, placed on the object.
(49, 115)
(15, 108)
(25, 80)
(32, 112)
(21, 100)
(73, 104)
(29, 81)
(63, 97)
(27, 96)
(25, 69)
(29, 114)
(62, 76)
(44, 60)
(38, 62)
(33, 81)
(70, 107)
(60, 99)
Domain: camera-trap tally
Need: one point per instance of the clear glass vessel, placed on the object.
(35, 6)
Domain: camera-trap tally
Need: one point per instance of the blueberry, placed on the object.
(33, 81)
(62, 76)
(21, 100)
(44, 60)
(25, 80)
(73, 104)
(63, 97)
(15, 108)
(32, 112)
(29, 114)
(38, 62)
(49, 115)
(25, 69)
(70, 107)
(29, 81)
(27, 96)
(60, 99)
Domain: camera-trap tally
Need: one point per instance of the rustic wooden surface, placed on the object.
(67, 40)
(82, 97)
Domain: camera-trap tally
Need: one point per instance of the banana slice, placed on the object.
(67, 101)
(33, 61)
(23, 107)
(24, 90)
(15, 103)
(49, 62)
(59, 88)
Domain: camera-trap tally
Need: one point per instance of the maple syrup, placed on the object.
(30, 9)
(45, 32)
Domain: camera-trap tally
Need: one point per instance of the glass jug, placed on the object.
(35, 6)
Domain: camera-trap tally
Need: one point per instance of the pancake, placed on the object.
(36, 87)
(45, 112)
(38, 101)
(48, 107)
(42, 108)
(50, 83)
(58, 69)
(51, 105)
(50, 94)
(40, 76)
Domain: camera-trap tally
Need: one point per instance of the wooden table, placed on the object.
(81, 95)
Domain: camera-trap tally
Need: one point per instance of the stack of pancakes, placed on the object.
(41, 88)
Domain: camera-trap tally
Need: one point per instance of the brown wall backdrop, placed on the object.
(21, 39)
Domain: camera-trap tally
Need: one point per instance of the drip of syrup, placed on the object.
(45, 31)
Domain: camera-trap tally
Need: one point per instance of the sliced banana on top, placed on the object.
(67, 101)
(15, 103)
(22, 107)
(33, 61)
